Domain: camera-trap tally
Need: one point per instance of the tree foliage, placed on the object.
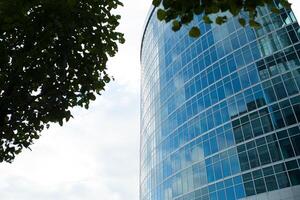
(53, 56)
(182, 12)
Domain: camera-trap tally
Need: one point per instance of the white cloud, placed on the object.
(94, 156)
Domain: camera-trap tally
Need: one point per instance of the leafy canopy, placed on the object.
(182, 12)
(53, 56)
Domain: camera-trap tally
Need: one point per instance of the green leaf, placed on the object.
(207, 20)
(106, 79)
(198, 10)
(195, 32)
(122, 40)
(161, 14)
(275, 10)
(92, 97)
(235, 8)
(254, 24)
(72, 3)
(285, 4)
(156, 3)
(242, 22)
(185, 11)
(167, 3)
(187, 18)
(221, 19)
(176, 25)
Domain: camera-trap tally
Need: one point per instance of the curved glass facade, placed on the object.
(220, 114)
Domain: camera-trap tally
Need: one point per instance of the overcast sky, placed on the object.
(94, 156)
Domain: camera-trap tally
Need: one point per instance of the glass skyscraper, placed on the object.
(220, 114)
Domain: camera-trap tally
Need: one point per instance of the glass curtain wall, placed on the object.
(220, 114)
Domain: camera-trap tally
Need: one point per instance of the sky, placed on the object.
(95, 155)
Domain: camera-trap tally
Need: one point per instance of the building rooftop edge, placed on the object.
(149, 15)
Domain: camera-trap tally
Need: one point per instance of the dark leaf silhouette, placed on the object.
(183, 11)
(53, 57)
